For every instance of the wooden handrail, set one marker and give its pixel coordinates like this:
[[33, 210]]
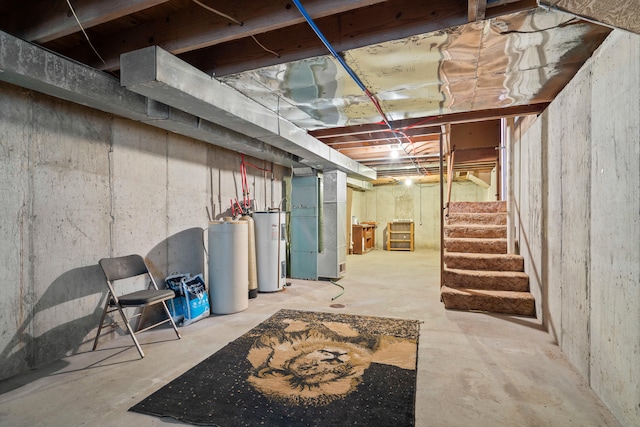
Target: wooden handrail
[[450, 161]]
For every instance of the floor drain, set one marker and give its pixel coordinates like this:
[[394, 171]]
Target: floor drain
[[337, 306]]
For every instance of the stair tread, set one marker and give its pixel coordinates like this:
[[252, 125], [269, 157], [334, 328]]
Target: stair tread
[[477, 218], [479, 231], [488, 292], [496, 245], [482, 255], [476, 225], [505, 302], [464, 207], [486, 279], [475, 239], [478, 214], [493, 273], [478, 274], [484, 261]]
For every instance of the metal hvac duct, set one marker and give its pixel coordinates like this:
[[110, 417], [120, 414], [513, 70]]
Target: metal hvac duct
[[159, 75]]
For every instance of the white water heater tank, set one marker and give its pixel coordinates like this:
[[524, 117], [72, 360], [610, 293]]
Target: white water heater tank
[[228, 266], [271, 250]]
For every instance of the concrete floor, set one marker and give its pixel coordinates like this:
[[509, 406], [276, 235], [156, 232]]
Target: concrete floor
[[473, 368]]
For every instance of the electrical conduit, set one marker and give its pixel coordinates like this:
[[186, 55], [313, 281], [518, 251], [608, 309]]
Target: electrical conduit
[[356, 79]]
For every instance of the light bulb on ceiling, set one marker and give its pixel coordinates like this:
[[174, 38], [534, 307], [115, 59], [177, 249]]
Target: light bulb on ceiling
[[394, 154], [408, 182]]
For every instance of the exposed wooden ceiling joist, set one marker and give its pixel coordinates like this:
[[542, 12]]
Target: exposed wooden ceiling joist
[[382, 143], [432, 124], [348, 24], [623, 14], [503, 7], [390, 20], [477, 9], [41, 23], [219, 45], [381, 138], [371, 144]]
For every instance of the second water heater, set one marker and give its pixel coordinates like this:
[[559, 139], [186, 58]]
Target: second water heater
[[270, 229]]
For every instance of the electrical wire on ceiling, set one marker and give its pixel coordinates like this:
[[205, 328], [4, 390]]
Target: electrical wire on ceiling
[[421, 169], [406, 128], [398, 134], [83, 31], [235, 21]]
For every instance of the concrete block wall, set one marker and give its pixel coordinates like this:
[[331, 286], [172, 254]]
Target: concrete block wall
[[578, 198], [77, 185]]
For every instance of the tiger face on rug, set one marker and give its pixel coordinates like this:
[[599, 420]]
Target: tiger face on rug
[[313, 363]]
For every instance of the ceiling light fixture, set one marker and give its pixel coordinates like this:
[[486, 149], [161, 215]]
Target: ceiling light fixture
[[408, 182], [394, 154]]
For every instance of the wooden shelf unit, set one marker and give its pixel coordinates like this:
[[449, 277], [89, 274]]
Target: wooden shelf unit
[[400, 236], [364, 238]]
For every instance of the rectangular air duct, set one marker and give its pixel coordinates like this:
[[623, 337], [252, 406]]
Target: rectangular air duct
[[29, 66], [333, 256], [159, 75]]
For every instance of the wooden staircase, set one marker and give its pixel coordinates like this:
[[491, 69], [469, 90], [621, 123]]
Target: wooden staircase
[[479, 275]]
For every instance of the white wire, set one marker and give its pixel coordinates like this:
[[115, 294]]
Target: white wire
[[84, 32], [232, 19]]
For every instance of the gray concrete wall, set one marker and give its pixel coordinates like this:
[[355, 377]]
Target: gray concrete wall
[[359, 206], [528, 205], [578, 196], [78, 185]]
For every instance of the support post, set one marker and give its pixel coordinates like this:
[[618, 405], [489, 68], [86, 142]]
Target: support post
[[442, 135], [507, 173]]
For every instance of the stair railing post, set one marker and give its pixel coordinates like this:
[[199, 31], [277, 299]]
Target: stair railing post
[[450, 176], [507, 143], [442, 136]]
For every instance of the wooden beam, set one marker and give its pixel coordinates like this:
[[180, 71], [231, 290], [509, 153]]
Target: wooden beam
[[482, 155], [391, 20], [353, 145], [450, 170], [417, 126], [383, 156], [623, 14], [369, 132], [344, 142], [42, 24], [198, 28], [471, 177], [505, 7], [383, 149], [474, 116], [427, 179], [497, 3], [476, 10], [432, 169], [340, 136]]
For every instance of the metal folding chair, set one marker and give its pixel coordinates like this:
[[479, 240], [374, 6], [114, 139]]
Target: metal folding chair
[[125, 267]]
